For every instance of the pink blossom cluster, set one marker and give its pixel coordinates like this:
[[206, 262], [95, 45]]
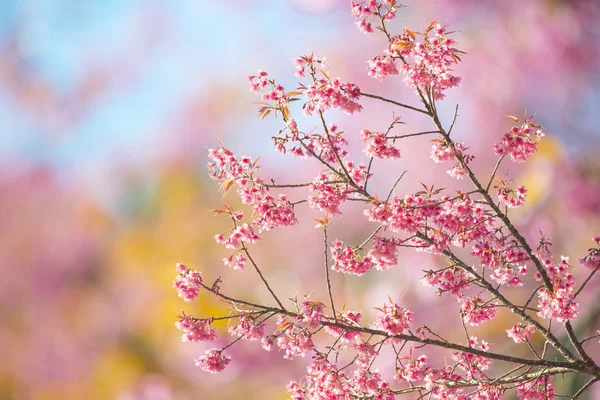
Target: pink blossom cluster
[[382, 66], [277, 93], [475, 310], [270, 212], [187, 283], [520, 332], [223, 165], [248, 328], [442, 151], [558, 303], [395, 319], [311, 63], [243, 233], [267, 342], [325, 382], [370, 384], [413, 370], [538, 389], [452, 280], [383, 253], [322, 382], [521, 142], [509, 276], [294, 340], [351, 318], [381, 256], [332, 190], [364, 11], [436, 243], [331, 93], [463, 219], [473, 364], [329, 197], [459, 221], [213, 361], [427, 63], [379, 146], [348, 260], [402, 214], [326, 92], [311, 313], [330, 146], [365, 352], [358, 173], [258, 82], [458, 171], [488, 392], [238, 265], [196, 330], [436, 381], [511, 197], [592, 259], [494, 252]]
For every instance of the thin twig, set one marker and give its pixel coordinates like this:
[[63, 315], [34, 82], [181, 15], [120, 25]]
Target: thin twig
[[487, 188], [413, 134], [262, 277], [584, 388], [326, 255], [373, 96]]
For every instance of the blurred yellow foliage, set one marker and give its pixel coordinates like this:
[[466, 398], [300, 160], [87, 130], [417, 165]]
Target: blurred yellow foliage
[[537, 176]]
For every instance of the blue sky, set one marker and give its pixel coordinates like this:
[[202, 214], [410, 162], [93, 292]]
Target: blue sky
[[167, 52]]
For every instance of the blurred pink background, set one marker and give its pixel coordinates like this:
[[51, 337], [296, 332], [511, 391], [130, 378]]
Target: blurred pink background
[[108, 108]]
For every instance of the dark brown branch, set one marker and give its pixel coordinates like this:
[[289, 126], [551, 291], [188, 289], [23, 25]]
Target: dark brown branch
[[498, 382], [567, 366]]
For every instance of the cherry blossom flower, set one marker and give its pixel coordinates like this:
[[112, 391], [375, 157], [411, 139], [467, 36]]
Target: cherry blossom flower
[[296, 341], [196, 330], [592, 259], [248, 328], [520, 333], [475, 310], [379, 146], [347, 260], [413, 370], [428, 62], [187, 283], [382, 66], [366, 10], [351, 318], [471, 363], [383, 253], [512, 198], [213, 361], [312, 312], [538, 389], [395, 319], [521, 142], [329, 197]]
